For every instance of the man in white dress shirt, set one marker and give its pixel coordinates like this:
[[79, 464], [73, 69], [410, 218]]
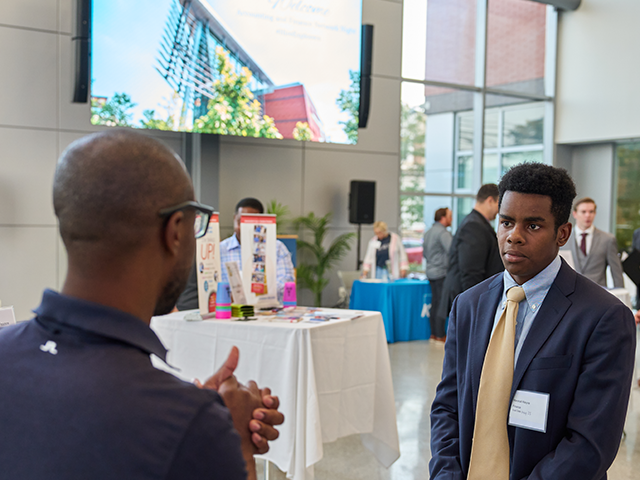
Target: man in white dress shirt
[[593, 249]]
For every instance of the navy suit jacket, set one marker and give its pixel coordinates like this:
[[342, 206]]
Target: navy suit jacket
[[580, 350]]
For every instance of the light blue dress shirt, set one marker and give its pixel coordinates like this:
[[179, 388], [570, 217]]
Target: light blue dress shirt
[[231, 251], [535, 290]]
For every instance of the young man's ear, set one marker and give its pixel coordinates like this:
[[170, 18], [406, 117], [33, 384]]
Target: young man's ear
[[564, 232]]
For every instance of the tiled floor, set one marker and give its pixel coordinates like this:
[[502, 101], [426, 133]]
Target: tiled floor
[[416, 370]]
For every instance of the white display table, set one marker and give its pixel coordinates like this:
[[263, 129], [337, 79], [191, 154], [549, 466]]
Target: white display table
[[333, 378]]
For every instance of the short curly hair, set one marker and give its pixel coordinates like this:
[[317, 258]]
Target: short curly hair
[[541, 179]]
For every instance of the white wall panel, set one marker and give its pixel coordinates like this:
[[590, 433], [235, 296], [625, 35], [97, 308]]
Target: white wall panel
[[265, 173], [67, 138], [28, 78], [597, 94], [30, 13], [35, 86], [382, 134], [28, 260], [327, 181], [386, 18], [26, 176], [65, 15], [592, 171]]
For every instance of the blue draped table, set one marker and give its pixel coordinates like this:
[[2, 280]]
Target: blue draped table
[[404, 305]]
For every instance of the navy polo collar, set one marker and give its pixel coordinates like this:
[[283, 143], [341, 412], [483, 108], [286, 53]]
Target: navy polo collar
[[101, 320]]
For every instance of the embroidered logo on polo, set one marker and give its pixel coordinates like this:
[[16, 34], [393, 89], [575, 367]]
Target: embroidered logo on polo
[[50, 347]]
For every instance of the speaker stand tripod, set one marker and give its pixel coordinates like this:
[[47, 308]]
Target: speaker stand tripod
[[358, 262]]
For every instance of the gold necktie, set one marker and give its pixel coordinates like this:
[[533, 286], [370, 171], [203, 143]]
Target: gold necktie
[[490, 448]]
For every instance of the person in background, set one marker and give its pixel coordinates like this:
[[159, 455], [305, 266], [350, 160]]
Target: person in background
[[80, 396], [385, 247], [591, 248], [231, 251], [474, 254], [435, 250]]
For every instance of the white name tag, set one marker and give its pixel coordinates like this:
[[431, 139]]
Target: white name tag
[[529, 410]]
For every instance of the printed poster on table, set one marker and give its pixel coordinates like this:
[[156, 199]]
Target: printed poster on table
[[208, 266], [258, 239]]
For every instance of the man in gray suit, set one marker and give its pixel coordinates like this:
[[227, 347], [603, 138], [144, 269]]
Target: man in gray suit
[[435, 250], [591, 248]]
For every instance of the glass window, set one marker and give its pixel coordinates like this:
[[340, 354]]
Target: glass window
[[463, 206], [414, 34], [451, 41], [465, 131], [516, 45], [417, 216], [465, 172], [439, 157], [490, 168], [523, 126], [429, 137], [515, 158], [412, 138], [628, 201], [491, 128]]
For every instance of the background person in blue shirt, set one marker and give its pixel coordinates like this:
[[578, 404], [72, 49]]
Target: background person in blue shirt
[[231, 251], [80, 397]]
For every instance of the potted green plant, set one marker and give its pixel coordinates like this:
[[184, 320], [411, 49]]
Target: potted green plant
[[281, 212], [312, 273]]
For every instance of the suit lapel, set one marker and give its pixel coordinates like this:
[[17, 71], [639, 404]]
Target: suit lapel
[[481, 330], [553, 309]]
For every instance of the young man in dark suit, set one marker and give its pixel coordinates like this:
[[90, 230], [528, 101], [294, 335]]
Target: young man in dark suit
[[473, 256], [572, 348]]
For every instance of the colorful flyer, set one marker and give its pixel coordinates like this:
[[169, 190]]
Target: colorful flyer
[[258, 239], [208, 266]]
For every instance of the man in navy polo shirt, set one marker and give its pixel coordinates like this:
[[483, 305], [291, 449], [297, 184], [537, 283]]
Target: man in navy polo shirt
[[79, 397]]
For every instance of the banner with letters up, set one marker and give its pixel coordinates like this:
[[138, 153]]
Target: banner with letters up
[[208, 266]]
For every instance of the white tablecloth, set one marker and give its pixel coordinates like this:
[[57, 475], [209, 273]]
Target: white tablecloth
[[333, 378]]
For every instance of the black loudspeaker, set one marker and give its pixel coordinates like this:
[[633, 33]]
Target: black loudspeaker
[[366, 51], [81, 46], [362, 202]]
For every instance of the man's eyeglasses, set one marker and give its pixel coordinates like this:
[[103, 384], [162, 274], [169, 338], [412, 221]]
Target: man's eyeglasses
[[203, 215]]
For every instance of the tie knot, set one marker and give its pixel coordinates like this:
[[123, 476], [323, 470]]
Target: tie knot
[[584, 234], [516, 294]]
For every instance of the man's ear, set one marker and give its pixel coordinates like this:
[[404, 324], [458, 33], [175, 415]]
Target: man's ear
[[564, 232], [173, 234]]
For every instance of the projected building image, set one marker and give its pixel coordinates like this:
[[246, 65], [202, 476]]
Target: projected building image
[[214, 79]]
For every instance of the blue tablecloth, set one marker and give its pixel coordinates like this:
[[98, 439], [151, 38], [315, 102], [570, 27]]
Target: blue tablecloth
[[404, 305]]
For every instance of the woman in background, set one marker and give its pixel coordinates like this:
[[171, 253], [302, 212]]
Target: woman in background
[[385, 247]]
